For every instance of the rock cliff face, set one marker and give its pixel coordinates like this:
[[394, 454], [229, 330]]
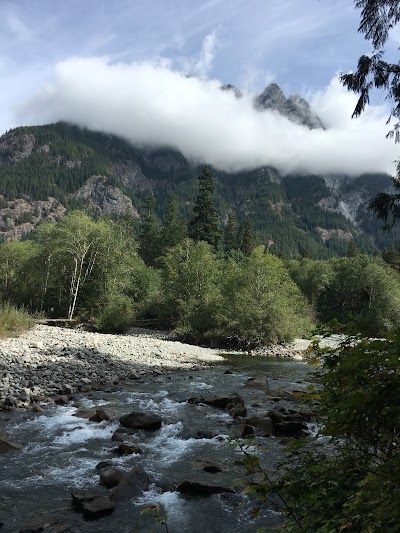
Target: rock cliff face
[[15, 147], [294, 108], [105, 198], [19, 217]]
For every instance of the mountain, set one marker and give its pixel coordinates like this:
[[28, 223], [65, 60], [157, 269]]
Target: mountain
[[46, 170], [295, 108]]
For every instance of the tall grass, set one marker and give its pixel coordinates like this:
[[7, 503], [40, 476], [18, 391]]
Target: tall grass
[[13, 320]]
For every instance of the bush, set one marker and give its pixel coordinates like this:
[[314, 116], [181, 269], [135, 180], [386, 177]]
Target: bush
[[261, 303], [116, 315], [351, 483], [13, 320]]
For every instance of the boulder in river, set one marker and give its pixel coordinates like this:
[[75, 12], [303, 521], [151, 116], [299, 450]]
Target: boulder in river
[[110, 476], [244, 431], [97, 508], [103, 464], [192, 488], [132, 486], [139, 420], [263, 425], [233, 404], [94, 415], [128, 449], [7, 446], [61, 400], [289, 423], [91, 504]]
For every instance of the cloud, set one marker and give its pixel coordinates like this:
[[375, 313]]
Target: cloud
[[207, 54], [151, 104]]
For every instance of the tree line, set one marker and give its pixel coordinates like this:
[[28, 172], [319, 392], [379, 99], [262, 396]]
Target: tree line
[[205, 284]]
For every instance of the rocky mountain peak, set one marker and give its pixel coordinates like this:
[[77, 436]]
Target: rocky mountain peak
[[232, 88], [272, 97], [295, 108]]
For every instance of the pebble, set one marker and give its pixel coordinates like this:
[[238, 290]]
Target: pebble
[[54, 362]]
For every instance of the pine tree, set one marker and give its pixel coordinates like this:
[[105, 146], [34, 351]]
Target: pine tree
[[149, 241], [391, 256], [246, 237], [204, 223], [174, 230], [352, 249]]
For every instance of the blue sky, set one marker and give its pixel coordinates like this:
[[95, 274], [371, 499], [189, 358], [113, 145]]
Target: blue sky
[[300, 44]]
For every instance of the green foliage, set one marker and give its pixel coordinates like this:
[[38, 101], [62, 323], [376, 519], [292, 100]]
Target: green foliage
[[361, 293], [191, 274], [149, 241], [174, 230], [246, 237], [378, 17], [391, 256], [261, 304], [204, 223], [352, 482], [13, 321], [116, 315]]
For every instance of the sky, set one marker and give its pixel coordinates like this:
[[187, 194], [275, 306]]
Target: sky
[[150, 71]]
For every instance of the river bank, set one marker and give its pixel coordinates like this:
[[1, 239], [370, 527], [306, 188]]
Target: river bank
[[54, 362]]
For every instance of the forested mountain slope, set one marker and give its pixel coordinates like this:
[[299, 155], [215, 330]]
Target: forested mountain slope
[[45, 170]]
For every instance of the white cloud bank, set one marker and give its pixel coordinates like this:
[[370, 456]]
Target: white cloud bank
[[152, 104]]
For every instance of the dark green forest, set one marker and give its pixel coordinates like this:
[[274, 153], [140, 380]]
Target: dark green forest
[[284, 211]]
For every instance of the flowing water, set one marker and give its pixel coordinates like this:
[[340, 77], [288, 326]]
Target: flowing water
[[61, 451]]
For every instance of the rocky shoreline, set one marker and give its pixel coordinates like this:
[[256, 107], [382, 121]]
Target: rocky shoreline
[[54, 363]]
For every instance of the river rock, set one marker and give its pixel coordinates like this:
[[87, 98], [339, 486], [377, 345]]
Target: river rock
[[7, 446], [290, 428], [103, 464], [132, 486], [118, 436], [110, 476], [126, 449], [81, 496], [260, 382], [244, 431], [288, 423], [99, 415], [223, 401], [98, 507], [192, 488], [85, 413], [139, 420], [263, 424], [61, 400], [10, 401]]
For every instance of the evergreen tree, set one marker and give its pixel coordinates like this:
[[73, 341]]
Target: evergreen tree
[[378, 18], [352, 249], [174, 230], [149, 241], [246, 237], [391, 256], [204, 223]]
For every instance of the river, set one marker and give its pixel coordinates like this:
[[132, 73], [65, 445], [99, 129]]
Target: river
[[60, 452]]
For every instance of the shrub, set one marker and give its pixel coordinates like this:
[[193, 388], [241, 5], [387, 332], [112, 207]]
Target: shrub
[[13, 320]]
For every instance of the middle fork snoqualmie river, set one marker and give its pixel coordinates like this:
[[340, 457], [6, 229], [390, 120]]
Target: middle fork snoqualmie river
[[60, 451]]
